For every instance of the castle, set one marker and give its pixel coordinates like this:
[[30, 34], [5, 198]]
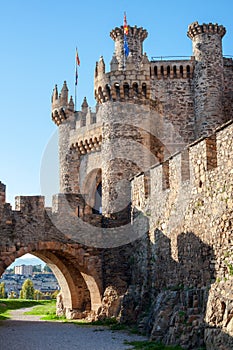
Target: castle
[[143, 220]]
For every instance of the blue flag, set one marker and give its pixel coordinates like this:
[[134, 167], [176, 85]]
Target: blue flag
[[126, 47]]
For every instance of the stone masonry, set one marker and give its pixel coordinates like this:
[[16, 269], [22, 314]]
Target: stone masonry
[[142, 227]]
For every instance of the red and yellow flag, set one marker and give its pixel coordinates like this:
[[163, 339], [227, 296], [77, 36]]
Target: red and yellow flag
[[77, 58], [126, 28]]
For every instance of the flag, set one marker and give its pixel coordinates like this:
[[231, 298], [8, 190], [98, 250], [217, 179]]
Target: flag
[[126, 28], [76, 76], [126, 47], [126, 32], [77, 58]]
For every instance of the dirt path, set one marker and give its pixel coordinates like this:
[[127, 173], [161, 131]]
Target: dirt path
[[27, 332]]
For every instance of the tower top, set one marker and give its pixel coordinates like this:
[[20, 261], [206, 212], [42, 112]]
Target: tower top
[[195, 29], [135, 38], [139, 33]]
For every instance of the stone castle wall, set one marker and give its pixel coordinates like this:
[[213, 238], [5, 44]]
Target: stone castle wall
[[191, 234]]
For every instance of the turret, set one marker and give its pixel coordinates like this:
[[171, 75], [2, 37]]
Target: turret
[[134, 84], [208, 75], [61, 108], [63, 116], [84, 105], [135, 39]]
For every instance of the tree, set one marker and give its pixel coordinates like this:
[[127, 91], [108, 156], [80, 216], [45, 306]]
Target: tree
[[27, 291], [2, 290], [47, 268], [36, 268], [38, 295], [55, 293]]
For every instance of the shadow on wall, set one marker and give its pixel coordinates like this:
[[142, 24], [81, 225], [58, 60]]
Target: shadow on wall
[[184, 294]]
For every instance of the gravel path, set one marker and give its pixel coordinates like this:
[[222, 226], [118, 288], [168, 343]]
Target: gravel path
[[26, 332]]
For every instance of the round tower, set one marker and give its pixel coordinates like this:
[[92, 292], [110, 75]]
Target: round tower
[[124, 105], [135, 39], [63, 117], [208, 76]]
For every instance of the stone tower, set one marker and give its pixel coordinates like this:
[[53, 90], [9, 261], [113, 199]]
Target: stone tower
[[63, 117], [208, 79], [123, 96], [135, 39]]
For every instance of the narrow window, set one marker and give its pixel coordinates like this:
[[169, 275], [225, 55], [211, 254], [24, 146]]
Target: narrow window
[[144, 89], [174, 72], [117, 88], [168, 71], [181, 71], [126, 90], [135, 89]]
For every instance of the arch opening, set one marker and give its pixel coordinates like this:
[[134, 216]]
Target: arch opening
[[80, 290]]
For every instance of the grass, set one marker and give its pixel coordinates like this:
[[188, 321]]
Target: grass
[[47, 311], [150, 345], [6, 305]]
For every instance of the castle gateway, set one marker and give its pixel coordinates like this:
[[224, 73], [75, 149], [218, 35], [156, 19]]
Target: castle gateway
[[142, 227]]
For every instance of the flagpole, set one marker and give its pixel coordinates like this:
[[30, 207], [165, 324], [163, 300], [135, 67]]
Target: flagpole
[[75, 82], [77, 63], [75, 91], [75, 98]]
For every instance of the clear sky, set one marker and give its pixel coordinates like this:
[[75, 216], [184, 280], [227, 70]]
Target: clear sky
[[38, 40]]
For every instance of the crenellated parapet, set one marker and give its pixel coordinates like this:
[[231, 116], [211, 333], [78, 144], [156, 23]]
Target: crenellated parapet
[[131, 85], [88, 145], [195, 29], [62, 108], [195, 170], [30, 205], [176, 69]]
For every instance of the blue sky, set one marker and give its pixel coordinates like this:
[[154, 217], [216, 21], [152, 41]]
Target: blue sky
[[38, 40]]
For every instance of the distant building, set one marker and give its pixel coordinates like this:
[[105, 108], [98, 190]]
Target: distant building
[[25, 270]]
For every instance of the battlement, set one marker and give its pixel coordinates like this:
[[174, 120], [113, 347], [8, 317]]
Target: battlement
[[30, 205], [90, 144], [135, 85], [132, 84], [133, 32], [177, 69], [195, 29], [191, 171], [61, 107]]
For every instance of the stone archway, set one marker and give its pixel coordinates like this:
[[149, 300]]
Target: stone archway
[[76, 270]]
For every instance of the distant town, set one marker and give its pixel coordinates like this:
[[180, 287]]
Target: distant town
[[42, 278]]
